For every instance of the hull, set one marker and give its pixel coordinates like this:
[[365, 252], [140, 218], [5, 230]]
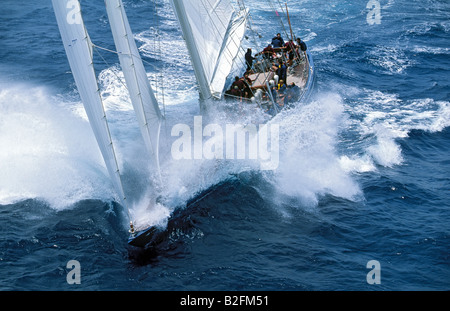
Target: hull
[[265, 88]]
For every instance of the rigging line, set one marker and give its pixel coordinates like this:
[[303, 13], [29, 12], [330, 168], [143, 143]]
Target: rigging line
[[293, 37], [105, 49], [241, 51], [250, 22], [241, 5], [130, 54], [118, 53], [159, 51], [240, 48], [239, 44], [242, 8], [154, 48], [109, 65], [215, 26], [253, 32]]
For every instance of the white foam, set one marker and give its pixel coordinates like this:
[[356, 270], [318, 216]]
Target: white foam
[[46, 152], [387, 118], [310, 166], [357, 164], [391, 60], [441, 118], [330, 48], [148, 213], [386, 151]]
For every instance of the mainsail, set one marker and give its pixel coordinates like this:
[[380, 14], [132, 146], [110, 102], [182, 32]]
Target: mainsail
[[213, 32], [78, 48], [144, 102]]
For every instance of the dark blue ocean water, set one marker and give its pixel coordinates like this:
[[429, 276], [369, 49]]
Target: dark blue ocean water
[[364, 169]]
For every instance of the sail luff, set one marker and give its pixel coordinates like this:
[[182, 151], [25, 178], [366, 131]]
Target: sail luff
[[78, 48], [142, 97]]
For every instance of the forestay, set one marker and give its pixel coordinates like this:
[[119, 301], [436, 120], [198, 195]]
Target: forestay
[[78, 48], [142, 97], [213, 32]]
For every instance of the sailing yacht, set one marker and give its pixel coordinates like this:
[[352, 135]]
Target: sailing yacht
[[213, 31]]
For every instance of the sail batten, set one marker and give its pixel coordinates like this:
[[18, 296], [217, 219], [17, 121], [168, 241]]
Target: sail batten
[[213, 33], [142, 97], [78, 47]]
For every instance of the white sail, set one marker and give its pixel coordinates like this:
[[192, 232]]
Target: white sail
[[213, 33], [79, 53], [142, 97]]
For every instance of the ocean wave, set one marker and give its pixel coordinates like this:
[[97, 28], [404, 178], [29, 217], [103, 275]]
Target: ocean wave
[[310, 164], [383, 118], [392, 60], [46, 152], [431, 50]]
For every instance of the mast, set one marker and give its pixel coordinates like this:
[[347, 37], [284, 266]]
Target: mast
[[142, 97], [78, 48]]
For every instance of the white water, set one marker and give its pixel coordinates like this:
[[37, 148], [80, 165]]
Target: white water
[[310, 163], [48, 152], [385, 118]]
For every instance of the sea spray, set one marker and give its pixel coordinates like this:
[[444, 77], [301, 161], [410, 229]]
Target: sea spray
[[46, 152], [309, 161]]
